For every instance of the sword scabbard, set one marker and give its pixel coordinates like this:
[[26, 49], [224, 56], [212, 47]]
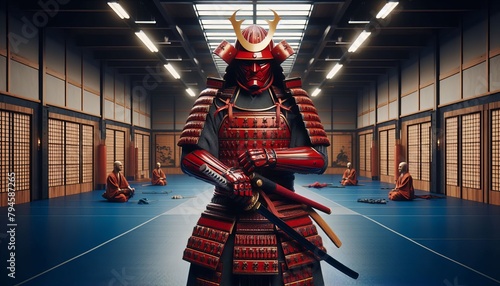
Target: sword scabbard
[[271, 187]]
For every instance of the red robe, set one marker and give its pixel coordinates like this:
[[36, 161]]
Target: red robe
[[404, 189], [159, 178], [114, 182], [349, 178]]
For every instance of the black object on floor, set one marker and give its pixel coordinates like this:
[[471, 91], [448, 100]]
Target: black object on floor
[[372, 201]]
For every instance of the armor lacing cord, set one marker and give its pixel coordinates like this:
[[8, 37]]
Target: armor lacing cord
[[279, 105], [229, 106]]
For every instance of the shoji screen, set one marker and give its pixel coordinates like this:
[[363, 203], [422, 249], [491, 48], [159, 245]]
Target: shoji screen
[[471, 150], [15, 155], [87, 154], [115, 148], [387, 141], [365, 143], [72, 166], [71, 157], [495, 150], [419, 151], [451, 158], [463, 156], [142, 145], [56, 153]]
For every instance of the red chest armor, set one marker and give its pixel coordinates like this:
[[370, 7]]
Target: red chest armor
[[243, 130]]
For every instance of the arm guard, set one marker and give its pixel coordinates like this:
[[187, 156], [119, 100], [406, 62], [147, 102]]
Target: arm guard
[[191, 163], [305, 160]]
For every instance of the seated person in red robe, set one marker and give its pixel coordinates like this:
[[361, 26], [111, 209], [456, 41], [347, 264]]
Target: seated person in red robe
[[117, 187], [404, 185], [159, 177], [349, 176]]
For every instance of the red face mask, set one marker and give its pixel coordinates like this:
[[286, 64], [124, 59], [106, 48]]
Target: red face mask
[[254, 76]]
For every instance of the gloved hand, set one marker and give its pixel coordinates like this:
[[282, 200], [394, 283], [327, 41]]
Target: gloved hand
[[257, 158], [242, 187]]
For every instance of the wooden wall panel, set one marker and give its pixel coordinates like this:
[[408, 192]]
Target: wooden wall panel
[[427, 98], [3, 70], [449, 90], [495, 73], [474, 37], [449, 54], [340, 152], [165, 149], [55, 91], [55, 53], [24, 80], [474, 83], [3, 31]]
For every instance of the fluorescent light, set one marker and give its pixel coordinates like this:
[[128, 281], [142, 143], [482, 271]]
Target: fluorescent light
[[358, 22], [316, 92], [359, 40], [334, 70], [190, 92], [172, 71], [145, 22], [388, 7], [144, 38], [119, 10], [216, 27]]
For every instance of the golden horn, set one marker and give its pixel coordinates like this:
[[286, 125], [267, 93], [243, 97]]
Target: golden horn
[[259, 46]]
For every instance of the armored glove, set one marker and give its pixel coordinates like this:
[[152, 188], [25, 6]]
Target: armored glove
[[257, 158]]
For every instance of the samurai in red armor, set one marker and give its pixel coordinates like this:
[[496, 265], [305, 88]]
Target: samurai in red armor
[[252, 121]]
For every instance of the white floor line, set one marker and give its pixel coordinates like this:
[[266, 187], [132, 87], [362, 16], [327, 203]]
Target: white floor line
[[431, 250], [353, 212], [419, 244], [90, 250]]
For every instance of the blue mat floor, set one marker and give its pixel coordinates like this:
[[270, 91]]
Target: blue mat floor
[[83, 240]]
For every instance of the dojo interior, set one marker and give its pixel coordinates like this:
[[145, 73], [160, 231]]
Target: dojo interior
[[79, 90]]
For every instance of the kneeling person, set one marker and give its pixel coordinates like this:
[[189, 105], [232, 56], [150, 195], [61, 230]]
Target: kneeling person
[[404, 185], [159, 177], [349, 177], [117, 187]]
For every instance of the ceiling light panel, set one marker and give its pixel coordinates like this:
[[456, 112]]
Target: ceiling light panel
[[216, 26]]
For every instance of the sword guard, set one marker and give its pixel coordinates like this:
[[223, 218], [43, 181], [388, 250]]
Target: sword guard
[[254, 203]]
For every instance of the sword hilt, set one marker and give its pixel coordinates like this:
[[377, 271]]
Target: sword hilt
[[223, 183]]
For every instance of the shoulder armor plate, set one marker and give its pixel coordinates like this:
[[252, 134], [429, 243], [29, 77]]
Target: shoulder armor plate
[[310, 116], [196, 119]]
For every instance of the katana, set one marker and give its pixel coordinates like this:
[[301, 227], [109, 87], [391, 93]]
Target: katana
[[258, 207]]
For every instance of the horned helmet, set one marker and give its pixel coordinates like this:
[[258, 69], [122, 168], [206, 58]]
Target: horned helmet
[[253, 54]]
